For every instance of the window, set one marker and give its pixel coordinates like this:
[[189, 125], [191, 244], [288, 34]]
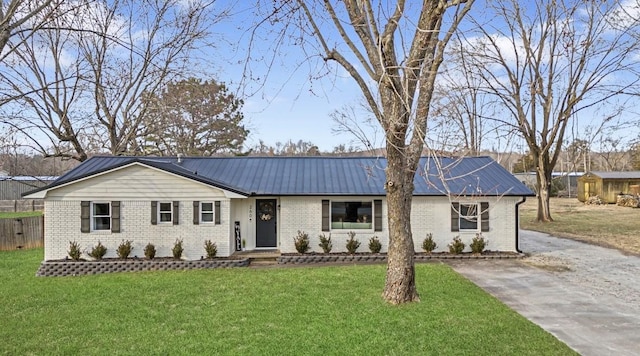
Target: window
[[100, 216], [165, 212], [206, 212], [351, 215], [468, 217]]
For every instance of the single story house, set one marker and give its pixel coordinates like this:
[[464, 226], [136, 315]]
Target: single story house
[[607, 185], [265, 201]]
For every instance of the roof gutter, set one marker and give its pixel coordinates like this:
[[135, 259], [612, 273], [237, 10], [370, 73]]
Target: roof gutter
[[524, 199]]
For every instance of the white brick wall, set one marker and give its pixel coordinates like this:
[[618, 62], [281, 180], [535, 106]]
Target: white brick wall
[[429, 214], [62, 224], [433, 215], [305, 214]]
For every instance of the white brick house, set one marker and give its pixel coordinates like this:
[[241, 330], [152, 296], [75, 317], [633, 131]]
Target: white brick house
[[265, 201]]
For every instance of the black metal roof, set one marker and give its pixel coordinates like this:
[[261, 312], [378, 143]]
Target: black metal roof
[[436, 176]]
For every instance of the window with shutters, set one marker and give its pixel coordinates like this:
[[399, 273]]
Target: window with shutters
[[468, 216], [165, 212], [207, 213], [100, 216], [351, 215]]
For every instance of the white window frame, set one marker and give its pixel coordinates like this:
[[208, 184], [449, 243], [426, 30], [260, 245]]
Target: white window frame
[[468, 219], [212, 212], [349, 226], [94, 216], [170, 212]]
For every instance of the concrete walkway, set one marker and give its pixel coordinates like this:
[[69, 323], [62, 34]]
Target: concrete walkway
[[585, 295]]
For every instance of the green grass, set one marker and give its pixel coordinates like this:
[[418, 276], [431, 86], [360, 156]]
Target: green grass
[[19, 214], [278, 311]]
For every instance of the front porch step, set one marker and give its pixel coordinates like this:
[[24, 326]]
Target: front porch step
[[263, 261]]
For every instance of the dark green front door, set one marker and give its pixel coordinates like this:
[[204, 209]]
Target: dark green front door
[[266, 223]]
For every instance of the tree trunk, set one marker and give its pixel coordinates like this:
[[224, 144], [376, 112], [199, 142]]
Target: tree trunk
[[400, 285], [543, 175]]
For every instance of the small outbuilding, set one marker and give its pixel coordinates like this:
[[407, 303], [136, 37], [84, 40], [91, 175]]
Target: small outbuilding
[[607, 185]]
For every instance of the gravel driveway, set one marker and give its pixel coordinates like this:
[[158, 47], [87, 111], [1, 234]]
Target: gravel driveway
[[587, 296]]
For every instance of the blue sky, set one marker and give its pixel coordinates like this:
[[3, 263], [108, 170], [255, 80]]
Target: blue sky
[[290, 106]]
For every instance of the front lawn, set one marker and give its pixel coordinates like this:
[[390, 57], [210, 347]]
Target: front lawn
[[605, 225], [273, 311]]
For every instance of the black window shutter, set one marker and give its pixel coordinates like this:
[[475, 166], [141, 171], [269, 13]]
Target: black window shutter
[[377, 215], [154, 213], [85, 216], [176, 212], [196, 212], [455, 216], [115, 216], [217, 212], [325, 215], [484, 208]]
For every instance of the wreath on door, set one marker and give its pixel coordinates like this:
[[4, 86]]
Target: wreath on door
[[266, 211]]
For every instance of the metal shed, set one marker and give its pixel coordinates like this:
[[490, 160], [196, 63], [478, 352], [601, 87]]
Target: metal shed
[[607, 185]]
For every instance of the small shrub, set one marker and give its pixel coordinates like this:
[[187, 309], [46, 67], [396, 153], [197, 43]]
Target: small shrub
[[457, 246], [210, 248], [150, 251], [374, 245], [124, 249], [302, 242], [177, 249], [478, 244], [74, 250], [352, 243], [98, 251], [325, 243], [428, 245]]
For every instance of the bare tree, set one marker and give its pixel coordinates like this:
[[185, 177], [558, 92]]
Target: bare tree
[[360, 124], [22, 16], [463, 112], [393, 51], [80, 81], [551, 62]]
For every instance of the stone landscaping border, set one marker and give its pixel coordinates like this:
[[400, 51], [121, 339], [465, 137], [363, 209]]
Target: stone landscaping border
[[77, 268], [308, 259]]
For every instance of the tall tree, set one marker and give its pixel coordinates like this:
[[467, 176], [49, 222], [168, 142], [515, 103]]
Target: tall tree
[[79, 82], [393, 51], [194, 118], [549, 62]]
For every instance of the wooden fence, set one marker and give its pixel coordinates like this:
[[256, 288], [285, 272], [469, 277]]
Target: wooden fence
[[18, 233], [21, 205]]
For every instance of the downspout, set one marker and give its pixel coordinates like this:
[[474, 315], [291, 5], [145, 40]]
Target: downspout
[[524, 199]]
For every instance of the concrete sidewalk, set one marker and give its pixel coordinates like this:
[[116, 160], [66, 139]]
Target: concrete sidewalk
[[587, 296]]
